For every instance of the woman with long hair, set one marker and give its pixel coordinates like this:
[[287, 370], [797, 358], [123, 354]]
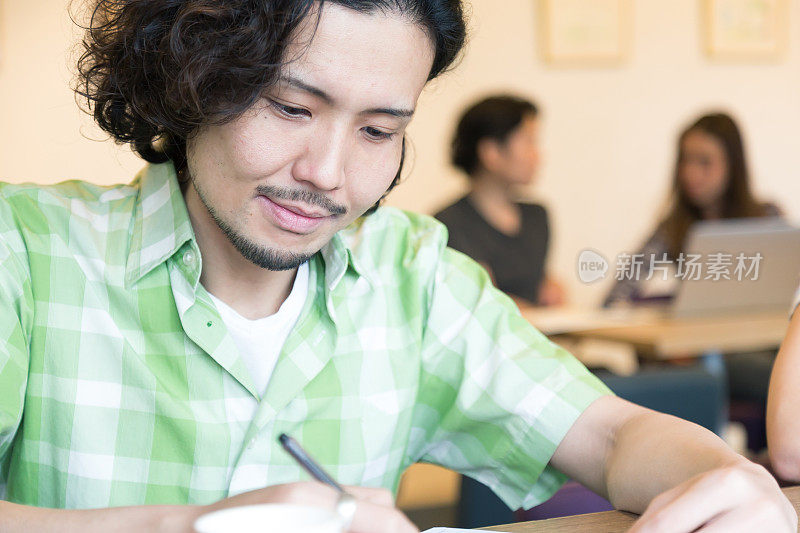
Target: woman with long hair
[[711, 182]]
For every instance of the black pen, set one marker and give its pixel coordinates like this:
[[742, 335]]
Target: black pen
[[295, 450]]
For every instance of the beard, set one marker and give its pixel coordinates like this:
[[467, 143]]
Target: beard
[[263, 256]]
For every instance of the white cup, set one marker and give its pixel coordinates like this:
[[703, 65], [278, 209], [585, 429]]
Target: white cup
[[270, 518]]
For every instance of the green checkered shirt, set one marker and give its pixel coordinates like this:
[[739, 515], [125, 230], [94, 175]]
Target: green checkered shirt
[[120, 385]]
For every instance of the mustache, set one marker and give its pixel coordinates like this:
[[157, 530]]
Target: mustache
[[299, 195]]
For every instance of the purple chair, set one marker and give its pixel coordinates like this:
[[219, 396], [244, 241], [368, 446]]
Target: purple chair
[[571, 499]]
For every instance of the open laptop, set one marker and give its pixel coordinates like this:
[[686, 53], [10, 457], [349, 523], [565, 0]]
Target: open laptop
[[759, 257]]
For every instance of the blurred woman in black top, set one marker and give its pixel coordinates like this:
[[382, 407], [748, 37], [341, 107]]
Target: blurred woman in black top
[[496, 146]]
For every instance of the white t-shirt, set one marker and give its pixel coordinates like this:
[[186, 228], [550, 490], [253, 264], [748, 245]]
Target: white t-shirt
[[260, 341]]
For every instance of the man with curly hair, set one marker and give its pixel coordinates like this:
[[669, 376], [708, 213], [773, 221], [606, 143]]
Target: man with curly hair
[[158, 336]]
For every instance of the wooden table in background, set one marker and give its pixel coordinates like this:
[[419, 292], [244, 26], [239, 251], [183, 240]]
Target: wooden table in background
[[656, 335], [668, 338], [608, 522]]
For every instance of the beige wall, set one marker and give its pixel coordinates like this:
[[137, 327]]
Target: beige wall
[[43, 135], [608, 133]]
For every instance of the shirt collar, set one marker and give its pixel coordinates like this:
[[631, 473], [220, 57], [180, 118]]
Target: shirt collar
[[161, 227], [339, 256], [161, 223]]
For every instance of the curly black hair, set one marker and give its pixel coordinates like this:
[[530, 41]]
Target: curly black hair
[[154, 71]]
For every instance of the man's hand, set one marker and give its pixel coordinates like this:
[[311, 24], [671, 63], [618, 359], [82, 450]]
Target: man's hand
[[743, 497], [679, 476], [375, 511]]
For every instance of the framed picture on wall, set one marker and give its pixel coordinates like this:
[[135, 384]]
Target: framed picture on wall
[[585, 32], [746, 29]]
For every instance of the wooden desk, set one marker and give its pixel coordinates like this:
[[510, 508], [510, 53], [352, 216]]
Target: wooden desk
[[608, 522], [667, 338], [567, 320], [658, 336]]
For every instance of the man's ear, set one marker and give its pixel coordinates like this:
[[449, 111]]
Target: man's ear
[[489, 154]]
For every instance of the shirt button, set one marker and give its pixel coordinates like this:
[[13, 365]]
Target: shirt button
[[251, 444], [188, 258]]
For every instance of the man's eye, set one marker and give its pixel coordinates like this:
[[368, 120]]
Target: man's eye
[[289, 111], [377, 135]]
